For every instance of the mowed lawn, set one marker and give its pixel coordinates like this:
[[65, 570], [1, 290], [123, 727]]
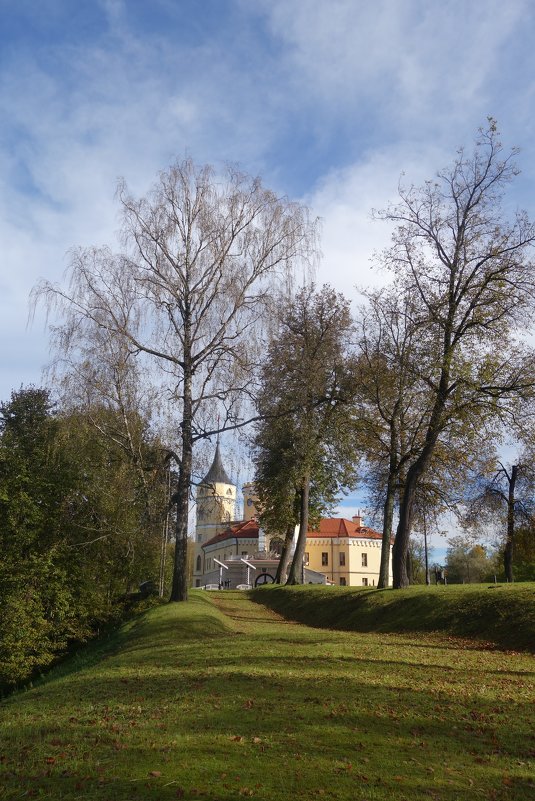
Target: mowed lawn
[[220, 698]]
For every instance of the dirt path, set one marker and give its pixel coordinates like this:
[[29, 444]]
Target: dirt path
[[246, 614]]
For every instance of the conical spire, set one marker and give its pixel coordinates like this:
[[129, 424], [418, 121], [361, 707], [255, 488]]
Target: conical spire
[[217, 473]]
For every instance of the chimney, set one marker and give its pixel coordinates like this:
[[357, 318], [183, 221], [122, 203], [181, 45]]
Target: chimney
[[357, 519]]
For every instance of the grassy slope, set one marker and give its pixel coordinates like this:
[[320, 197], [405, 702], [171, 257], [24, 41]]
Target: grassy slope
[[504, 614], [221, 699]]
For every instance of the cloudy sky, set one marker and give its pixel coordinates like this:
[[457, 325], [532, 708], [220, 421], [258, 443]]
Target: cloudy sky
[[328, 100]]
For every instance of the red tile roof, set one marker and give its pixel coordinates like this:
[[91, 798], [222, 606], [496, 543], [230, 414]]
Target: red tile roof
[[341, 527], [328, 527], [242, 530]]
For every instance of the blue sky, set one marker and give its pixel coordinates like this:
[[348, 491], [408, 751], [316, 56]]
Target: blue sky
[[329, 100]]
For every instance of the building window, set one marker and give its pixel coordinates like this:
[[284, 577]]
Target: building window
[[324, 558], [197, 582], [342, 559], [199, 564], [342, 581], [307, 558], [364, 582], [244, 553], [364, 560]]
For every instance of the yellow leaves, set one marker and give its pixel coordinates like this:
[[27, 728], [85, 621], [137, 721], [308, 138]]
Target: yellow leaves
[[343, 767]]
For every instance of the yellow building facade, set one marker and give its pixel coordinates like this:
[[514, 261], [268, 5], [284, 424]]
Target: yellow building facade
[[345, 551]]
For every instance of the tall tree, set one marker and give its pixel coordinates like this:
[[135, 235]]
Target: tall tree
[[200, 251], [469, 270], [307, 384], [392, 398], [502, 501], [73, 528]]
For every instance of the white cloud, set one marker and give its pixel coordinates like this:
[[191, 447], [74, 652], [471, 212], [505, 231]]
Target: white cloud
[[395, 76], [403, 59], [344, 200]]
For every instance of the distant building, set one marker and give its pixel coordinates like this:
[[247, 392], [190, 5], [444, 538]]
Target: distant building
[[238, 552], [346, 551]]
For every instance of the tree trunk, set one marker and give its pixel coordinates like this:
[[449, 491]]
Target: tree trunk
[[388, 515], [408, 566], [416, 470], [509, 542], [297, 569], [285, 554], [426, 558], [179, 590]]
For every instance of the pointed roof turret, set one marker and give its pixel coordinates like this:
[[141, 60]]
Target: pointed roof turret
[[217, 473]]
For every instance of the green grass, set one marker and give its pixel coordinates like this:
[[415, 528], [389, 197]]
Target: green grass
[[501, 614], [221, 699]]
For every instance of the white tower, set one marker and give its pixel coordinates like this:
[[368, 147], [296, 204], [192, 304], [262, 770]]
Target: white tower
[[216, 505]]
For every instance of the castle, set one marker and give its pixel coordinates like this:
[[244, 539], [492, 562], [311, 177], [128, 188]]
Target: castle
[[238, 553]]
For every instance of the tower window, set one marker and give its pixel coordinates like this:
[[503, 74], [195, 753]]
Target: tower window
[[324, 558], [364, 560], [342, 559]]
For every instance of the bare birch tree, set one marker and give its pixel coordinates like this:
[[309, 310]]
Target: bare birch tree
[[185, 296]]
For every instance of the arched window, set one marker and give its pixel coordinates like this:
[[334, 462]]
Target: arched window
[[199, 563]]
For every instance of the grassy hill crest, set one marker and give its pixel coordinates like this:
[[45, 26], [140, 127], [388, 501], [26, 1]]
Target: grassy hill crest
[[222, 699]]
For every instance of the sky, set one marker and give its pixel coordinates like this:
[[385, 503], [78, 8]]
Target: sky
[[330, 101]]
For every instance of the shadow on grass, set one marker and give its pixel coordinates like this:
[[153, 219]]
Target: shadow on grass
[[316, 728], [183, 707], [506, 618]]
